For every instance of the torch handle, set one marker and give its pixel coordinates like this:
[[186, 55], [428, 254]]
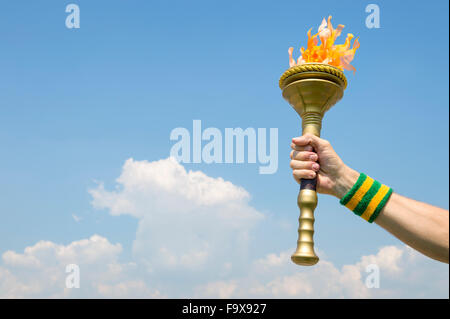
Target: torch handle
[[307, 202], [308, 184]]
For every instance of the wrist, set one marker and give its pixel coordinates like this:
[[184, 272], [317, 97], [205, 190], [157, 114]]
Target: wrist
[[345, 181]]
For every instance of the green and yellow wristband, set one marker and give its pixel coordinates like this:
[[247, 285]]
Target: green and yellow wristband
[[367, 197]]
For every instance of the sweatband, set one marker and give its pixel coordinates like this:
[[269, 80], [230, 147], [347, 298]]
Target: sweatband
[[367, 197]]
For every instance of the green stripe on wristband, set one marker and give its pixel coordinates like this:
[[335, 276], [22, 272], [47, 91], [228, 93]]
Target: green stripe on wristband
[[362, 205], [344, 200], [380, 206]]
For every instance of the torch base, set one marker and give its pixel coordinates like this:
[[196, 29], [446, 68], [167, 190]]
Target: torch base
[[305, 260]]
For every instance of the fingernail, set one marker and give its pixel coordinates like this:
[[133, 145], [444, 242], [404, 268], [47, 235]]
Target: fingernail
[[313, 157], [315, 167]]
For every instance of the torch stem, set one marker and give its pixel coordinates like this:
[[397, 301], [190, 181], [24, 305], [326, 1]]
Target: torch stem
[[307, 202]]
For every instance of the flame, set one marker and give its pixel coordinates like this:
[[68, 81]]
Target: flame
[[327, 52]]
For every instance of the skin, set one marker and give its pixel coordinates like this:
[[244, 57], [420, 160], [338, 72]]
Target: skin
[[419, 225]]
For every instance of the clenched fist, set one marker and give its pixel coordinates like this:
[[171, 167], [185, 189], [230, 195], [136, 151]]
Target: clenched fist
[[312, 156]]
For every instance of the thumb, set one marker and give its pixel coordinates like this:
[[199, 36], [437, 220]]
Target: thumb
[[301, 140]]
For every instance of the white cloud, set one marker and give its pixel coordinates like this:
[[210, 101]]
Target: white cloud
[[275, 276], [40, 270], [198, 226], [192, 241], [10, 287], [217, 289], [127, 289], [156, 182], [186, 218], [76, 218], [388, 259]]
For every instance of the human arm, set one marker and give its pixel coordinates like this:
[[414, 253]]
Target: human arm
[[419, 225]]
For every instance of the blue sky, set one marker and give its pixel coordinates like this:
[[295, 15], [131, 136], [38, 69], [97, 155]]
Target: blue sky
[[76, 104]]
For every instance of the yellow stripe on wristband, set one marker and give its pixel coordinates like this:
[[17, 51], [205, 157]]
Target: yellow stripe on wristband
[[376, 200], [360, 194]]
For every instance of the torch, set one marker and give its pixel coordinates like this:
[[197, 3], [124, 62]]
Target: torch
[[312, 86]]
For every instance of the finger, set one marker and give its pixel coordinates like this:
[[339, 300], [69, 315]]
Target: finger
[[303, 174], [305, 165], [310, 139], [304, 156], [307, 148]]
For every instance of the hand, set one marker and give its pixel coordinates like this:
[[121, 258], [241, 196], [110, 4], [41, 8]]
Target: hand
[[312, 156]]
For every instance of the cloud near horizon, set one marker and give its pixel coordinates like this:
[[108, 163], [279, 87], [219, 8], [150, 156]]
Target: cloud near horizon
[[40, 271], [192, 241]]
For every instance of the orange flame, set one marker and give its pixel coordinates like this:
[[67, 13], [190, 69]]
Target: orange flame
[[327, 52]]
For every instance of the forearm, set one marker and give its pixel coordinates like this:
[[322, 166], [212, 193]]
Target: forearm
[[421, 226]]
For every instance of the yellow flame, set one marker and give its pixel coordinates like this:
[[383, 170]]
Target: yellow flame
[[327, 52]]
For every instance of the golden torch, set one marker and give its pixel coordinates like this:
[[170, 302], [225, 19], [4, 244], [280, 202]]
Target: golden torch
[[312, 85]]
